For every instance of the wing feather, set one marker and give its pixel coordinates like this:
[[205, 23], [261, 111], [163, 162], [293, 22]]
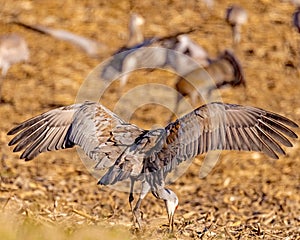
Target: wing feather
[[218, 126], [24, 140], [277, 125], [275, 132], [244, 138], [88, 125], [229, 138], [33, 150], [255, 142], [52, 138]]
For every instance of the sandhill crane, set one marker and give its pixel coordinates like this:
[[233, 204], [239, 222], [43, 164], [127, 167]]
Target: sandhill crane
[[192, 49], [185, 45], [126, 58], [13, 49], [137, 54], [296, 19], [156, 52], [235, 17], [92, 47], [129, 59], [225, 70], [296, 24], [129, 152], [136, 35]]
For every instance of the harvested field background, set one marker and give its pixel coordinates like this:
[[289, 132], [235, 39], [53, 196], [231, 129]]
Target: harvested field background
[[246, 196]]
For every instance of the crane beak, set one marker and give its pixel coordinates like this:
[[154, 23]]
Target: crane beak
[[171, 208], [171, 223]]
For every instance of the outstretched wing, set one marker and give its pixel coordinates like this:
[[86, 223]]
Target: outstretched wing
[[100, 133], [129, 150], [218, 126], [215, 126]]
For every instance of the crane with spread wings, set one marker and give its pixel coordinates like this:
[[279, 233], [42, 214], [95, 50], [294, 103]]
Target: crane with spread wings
[[129, 152]]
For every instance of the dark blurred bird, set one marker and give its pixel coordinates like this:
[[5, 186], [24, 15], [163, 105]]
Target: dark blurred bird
[[13, 49], [236, 16], [296, 24], [296, 19], [150, 53], [226, 70], [126, 58], [166, 52], [129, 152]]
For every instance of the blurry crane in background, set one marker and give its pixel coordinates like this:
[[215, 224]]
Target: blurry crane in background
[[129, 152], [13, 49], [161, 52], [92, 47], [296, 19], [296, 24], [135, 26], [236, 16], [188, 48], [123, 62], [226, 70]]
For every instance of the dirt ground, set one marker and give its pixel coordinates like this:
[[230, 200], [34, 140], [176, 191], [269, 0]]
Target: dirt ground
[[246, 196]]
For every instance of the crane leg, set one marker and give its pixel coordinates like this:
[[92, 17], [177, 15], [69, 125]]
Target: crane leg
[[137, 214], [131, 198]]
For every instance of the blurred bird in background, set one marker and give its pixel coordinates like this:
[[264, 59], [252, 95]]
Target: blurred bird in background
[[13, 49]]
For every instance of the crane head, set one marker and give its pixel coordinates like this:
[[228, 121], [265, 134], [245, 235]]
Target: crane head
[[171, 202]]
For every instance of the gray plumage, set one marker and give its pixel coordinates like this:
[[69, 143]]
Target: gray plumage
[[131, 152]]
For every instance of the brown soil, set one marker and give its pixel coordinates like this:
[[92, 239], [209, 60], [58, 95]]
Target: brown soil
[[246, 195]]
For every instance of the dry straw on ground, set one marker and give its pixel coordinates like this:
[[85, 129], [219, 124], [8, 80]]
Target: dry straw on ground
[[247, 196]]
